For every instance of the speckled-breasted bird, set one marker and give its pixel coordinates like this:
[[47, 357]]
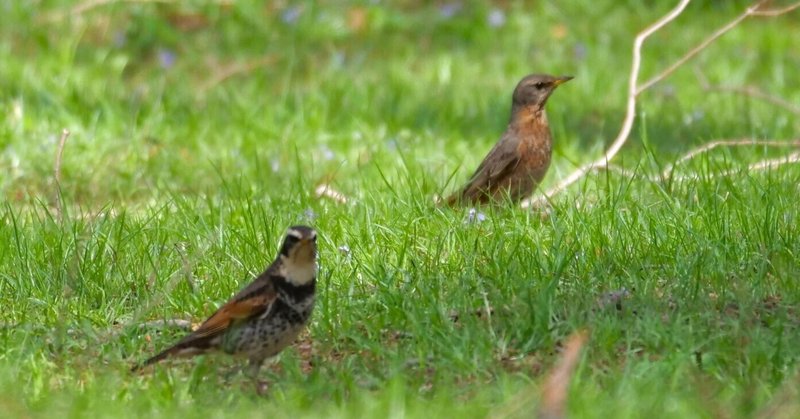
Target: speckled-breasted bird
[[267, 315], [518, 162]]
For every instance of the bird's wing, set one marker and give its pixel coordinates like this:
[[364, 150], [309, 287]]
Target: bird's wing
[[502, 158], [251, 301]]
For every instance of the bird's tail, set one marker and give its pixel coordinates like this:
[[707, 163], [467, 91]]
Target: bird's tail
[[179, 350], [452, 201]]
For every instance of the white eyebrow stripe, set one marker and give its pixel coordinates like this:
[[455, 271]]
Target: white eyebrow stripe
[[294, 233]]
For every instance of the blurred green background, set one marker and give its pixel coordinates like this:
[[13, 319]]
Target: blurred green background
[[238, 85], [199, 131]]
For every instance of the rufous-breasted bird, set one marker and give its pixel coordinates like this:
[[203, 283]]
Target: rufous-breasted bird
[[266, 316], [518, 162]]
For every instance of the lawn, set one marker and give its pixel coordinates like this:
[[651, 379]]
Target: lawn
[[199, 132]]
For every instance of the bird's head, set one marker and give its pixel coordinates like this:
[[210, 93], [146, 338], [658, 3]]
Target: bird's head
[[299, 255], [533, 90]]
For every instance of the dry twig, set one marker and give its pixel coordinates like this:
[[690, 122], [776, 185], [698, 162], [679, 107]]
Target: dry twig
[[57, 171], [727, 143], [776, 12], [668, 172], [554, 393], [699, 47], [767, 164], [235, 70], [89, 5], [326, 191], [166, 323], [634, 90], [554, 390], [750, 91]]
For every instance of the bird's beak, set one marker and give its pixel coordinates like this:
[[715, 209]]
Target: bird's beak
[[561, 80], [305, 248]]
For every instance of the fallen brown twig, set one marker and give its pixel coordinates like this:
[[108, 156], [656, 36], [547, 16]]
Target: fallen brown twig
[[234, 70], [57, 172], [326, 191], [669, 170], [750, 91], [89, 5], [553, 394], [727, 143], [166, 323]]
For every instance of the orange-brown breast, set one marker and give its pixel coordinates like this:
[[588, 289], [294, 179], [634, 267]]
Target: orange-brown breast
[[534, 148]]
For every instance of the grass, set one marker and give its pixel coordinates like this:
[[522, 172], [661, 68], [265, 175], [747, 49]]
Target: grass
[[177, 190]]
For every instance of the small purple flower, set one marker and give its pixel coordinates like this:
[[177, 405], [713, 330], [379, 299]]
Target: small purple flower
[[474, 216], [291, 14], [327, 153], [309, 215], [668, 89], [120, 39], [448, 10], [579, 51], [166, 58], [693, 117], [613, 298], [496, 18], [338, 58]]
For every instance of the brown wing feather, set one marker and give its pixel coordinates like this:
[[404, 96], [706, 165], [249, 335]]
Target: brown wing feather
[[230, 312], [251, 301], [501, 158]]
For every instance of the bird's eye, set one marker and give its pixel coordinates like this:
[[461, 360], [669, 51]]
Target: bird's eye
[[539, 85], [291, 240]]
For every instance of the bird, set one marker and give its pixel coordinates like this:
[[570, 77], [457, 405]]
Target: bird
[[264, 317], [518, 162]]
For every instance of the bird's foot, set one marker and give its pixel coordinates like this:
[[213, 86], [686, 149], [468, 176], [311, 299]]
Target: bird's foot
[[262, 387]]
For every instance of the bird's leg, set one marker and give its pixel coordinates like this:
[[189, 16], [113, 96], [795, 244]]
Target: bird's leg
[[232, 373], [253, 367], [252, 371]]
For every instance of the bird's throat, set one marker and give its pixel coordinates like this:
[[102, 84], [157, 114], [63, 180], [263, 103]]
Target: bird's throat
[[298, 274], [528, 117]]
